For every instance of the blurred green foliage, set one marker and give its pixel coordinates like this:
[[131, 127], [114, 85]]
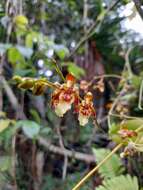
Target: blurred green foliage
[[32, 35]]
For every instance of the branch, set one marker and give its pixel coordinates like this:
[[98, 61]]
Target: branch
[[127, 62], [13, 100], [14, 162], [97, 22], [89, 158], [65, 156], [1, 77], [138, 5], [140, 96]]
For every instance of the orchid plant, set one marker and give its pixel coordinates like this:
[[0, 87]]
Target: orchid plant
[[66, 96]]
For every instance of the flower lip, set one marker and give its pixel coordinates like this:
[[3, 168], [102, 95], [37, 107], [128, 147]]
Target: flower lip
[[85, 110], [66, 95]]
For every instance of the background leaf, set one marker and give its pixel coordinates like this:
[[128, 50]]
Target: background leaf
[[112, 167], [120, 183], [5, 163], [30, 128]]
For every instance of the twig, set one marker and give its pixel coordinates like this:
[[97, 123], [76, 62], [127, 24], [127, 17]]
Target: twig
[[138, 5], [1, 77], [10, 94], [89, 158], [65, 156], [58, 69], [99, 20], [140, 96], [20, 7], [36, 184], [8, 7], [85, 28], [14, 163], [117, 115], [12, 98], [113, 106], [128, 67], [105, 76], [127, 62], [125, 116]]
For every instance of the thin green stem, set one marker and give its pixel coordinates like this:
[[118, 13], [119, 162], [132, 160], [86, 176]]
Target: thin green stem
[[50, 84], [127, 62], [139, 129], [140, 96], [125, 116], [113, 106], [58, 69], [97, 167]]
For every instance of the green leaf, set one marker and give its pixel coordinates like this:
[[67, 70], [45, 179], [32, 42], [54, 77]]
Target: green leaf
[[136, 81], [24, 72], [30, 38], [61, 51], [35, 115], [75, 70], [30, 128], [15, 57], [112, 167], [133, 124], [120, 183], [45, 131], [4, 123], [5, 163], [113, 133]]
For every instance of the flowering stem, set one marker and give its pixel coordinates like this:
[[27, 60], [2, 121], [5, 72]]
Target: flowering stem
[[83, 180], [139, 129], [58, 70], [50, 84]]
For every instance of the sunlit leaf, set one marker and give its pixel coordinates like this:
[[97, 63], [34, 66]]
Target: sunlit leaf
[[30, 37], [4, 123], [15, 57], [75, 70], [61, 51], [5, 163], [21, 22]]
